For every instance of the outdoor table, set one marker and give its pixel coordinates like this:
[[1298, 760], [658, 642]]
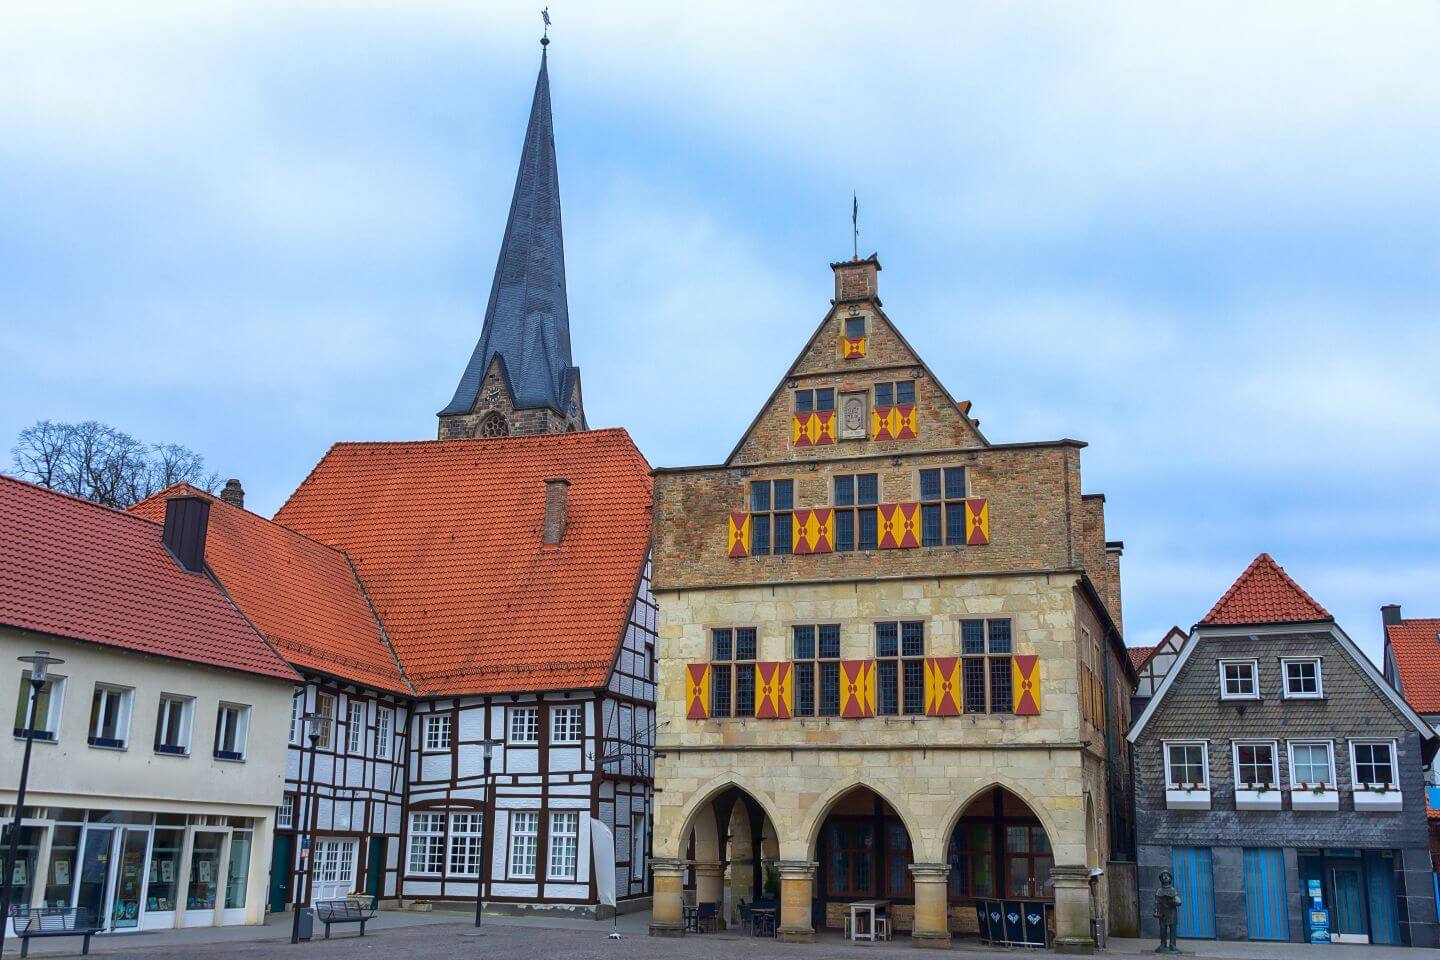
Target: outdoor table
[[870, 906], [756, 925]]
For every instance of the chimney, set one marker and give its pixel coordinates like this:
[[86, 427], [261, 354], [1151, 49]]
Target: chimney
[[1390, 614], [856, 280], [557, 495], [186, 519], [233, 494]]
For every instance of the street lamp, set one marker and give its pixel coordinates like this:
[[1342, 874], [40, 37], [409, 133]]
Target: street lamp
[[40, 663], [316, 724], [487, 815]]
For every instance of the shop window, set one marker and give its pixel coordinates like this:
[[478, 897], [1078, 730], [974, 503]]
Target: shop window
[[986, 679], [204, 870], [237, 874], [942, 506], [164, 869], [856, 519], [900, 668], [772, 505], [64, 857], [816, 661], [732, 672], [110, 716], [22, 875], [49, 700], [172, 725]]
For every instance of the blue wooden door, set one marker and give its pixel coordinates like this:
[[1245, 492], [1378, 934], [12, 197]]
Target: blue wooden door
[[1267, 910], [1380, 884], [1349, 899], [1195, 883]]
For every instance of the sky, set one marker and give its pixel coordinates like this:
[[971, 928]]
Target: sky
[[1203, 237]]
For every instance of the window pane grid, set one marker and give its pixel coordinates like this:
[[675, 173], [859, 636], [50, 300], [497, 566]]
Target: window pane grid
[[814, 650]]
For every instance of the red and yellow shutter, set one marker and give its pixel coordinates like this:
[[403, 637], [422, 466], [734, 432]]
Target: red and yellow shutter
[[813, 531], [774, 691], [813, 429], [1026, 676], [852, 348], [942, 686], [738, 541], [900, 422], [697, 691], [899, 525], [857, 688], [977, 522]]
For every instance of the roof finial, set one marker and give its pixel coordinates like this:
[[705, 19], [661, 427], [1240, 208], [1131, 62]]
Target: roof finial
[[545, 36], [855, 225]]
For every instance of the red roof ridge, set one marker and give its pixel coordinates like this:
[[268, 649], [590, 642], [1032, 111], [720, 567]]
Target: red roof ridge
[[1265, 593], [76, 498], [186, 489]]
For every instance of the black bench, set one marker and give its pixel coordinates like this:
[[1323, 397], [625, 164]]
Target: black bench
[[344, 911], [54, 922]]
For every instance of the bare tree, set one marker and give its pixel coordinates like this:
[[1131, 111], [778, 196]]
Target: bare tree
[[96, 461]]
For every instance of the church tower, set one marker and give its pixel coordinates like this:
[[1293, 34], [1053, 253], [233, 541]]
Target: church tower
[[520, 379]]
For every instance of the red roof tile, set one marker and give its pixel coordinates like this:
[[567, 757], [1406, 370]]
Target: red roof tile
[[1264, 593], [75, 569], [446, 537], [1416, 647], [1139, 656], [301, 594]]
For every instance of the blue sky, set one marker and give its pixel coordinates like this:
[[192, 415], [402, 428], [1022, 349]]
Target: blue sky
[[1203, 237]]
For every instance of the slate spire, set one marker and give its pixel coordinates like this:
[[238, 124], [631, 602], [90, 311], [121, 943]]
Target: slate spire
[[527, 321]]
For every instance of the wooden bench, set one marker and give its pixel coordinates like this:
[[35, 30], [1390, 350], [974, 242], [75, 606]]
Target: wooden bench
[[54, 922], [344, 911]]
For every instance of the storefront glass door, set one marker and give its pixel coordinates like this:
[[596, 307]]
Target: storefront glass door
[[130, 879], [92, 892]]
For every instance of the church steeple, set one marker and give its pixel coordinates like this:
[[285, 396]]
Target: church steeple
[[521, 379]]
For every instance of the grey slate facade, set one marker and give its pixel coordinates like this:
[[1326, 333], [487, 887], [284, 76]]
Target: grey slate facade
[[1355, 704]]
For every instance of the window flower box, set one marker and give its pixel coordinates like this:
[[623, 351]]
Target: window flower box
[[1314, 797], [1257, 796], [1377, 797], [1189, 796]]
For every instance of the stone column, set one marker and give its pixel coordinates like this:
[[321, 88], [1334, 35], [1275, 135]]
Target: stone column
[[1072, 909], [710, 887], [797, 893], [667, 917], [932, 905]]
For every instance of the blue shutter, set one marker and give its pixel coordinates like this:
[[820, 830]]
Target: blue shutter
[[1267, 912], [1380, 884], [1195, 883]]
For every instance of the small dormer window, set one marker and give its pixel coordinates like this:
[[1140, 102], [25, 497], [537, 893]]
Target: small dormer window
[[1302, 679], [1239, 680]]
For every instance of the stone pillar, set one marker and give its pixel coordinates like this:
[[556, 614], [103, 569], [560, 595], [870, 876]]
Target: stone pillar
[[710, 887], [1072, 909], [932, 905], [797, 893], [667, 917]]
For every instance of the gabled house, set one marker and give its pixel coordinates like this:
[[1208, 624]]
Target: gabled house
[[1152, 663], [1275, 766]]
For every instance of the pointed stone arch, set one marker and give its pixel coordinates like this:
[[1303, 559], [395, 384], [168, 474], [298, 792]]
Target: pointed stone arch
[[1037, 807], [819, 810]]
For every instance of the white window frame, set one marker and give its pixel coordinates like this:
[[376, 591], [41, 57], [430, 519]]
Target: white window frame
[[126, 697], [572, 731], [242, 730], [187, 724], [1295, 781], [524, 844], [429, 826], [49, 731], [285, 813], [1186, 795], [325, 707], [331, 866], [1285, 691], [297, 714], [384, 731], [562, 858], [1379, 797], [1254, 665], [355, 731], [437, 731], [1308, 794], [528, 725], [1235, 746], [466, 848]]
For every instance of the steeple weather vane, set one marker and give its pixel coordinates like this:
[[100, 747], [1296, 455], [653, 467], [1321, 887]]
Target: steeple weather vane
[[545, 37], [855, 225]]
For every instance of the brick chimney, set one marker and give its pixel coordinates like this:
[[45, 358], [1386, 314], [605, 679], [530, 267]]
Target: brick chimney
[[1390, 614], [557, 496], [233, 494], [186, 520], [856, 280]]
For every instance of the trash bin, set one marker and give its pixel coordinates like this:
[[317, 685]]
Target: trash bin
[[307, 922]]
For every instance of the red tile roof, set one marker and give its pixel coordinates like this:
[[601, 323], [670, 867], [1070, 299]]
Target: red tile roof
[[446, 537], [1139, 656], [1264, 593], [301, 594], [1416, 647], [75, 569]]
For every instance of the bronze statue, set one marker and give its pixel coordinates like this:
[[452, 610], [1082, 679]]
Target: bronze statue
[[1167, 906]]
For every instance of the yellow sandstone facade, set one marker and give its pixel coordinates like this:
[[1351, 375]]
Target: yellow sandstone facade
[[889, 657]]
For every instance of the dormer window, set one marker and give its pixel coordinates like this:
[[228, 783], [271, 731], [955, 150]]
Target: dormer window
[[1302, 679], [1239, 680]]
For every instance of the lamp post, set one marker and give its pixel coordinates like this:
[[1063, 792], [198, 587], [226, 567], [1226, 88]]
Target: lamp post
[[40, 663], [487, 815], [315, 725]]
